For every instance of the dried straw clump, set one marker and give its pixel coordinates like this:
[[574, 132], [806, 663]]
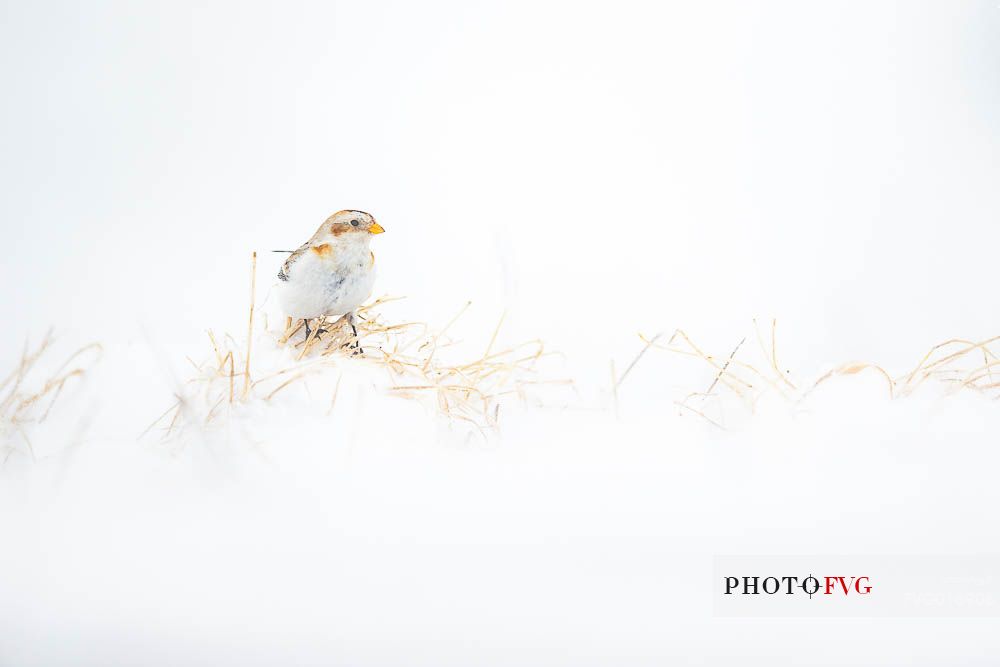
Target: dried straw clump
[[424, 365], [27, 400], [960, 364], [417, 364]]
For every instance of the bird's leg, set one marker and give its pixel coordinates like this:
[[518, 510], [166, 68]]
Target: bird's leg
[[319, 330], [354, 330]]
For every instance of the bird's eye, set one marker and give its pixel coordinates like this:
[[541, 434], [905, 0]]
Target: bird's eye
[[354, 223]]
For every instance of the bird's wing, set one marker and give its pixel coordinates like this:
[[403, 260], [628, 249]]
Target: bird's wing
[[294, 257]]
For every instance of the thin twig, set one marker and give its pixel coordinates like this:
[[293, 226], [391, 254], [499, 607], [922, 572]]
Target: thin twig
[[636, 360], [725, 366], [253, 297]]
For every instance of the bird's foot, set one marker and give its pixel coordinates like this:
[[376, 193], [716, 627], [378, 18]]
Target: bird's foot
[[357, 343], [355, 346], [319, 332]]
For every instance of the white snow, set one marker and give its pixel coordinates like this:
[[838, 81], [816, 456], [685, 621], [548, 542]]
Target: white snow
[[595, 172]]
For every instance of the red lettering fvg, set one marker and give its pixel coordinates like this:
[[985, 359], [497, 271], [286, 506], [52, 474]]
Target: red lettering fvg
[[842, 584]]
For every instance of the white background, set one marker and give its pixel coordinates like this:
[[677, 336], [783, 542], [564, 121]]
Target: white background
[[594, 169]]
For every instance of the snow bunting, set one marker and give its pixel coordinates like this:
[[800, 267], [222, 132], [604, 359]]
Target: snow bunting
[[332, 273]]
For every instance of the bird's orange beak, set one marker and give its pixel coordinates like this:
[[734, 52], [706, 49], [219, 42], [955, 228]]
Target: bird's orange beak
[[376, 228]]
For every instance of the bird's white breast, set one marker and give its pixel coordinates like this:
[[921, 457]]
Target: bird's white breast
[[328, 284]]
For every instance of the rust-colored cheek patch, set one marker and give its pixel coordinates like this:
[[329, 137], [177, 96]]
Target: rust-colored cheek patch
[[323, 250]]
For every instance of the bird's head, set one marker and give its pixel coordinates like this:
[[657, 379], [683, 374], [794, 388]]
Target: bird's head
[[349, 225]]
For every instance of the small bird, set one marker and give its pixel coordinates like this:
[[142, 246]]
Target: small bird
[[332, 273]]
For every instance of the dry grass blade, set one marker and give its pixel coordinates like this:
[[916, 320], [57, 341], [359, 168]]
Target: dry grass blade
[[437, 337], [629, 368], [253, 298], [701, 414], [25, 393], [725, 367], [853, 368], [927, 368], [972, 366]]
